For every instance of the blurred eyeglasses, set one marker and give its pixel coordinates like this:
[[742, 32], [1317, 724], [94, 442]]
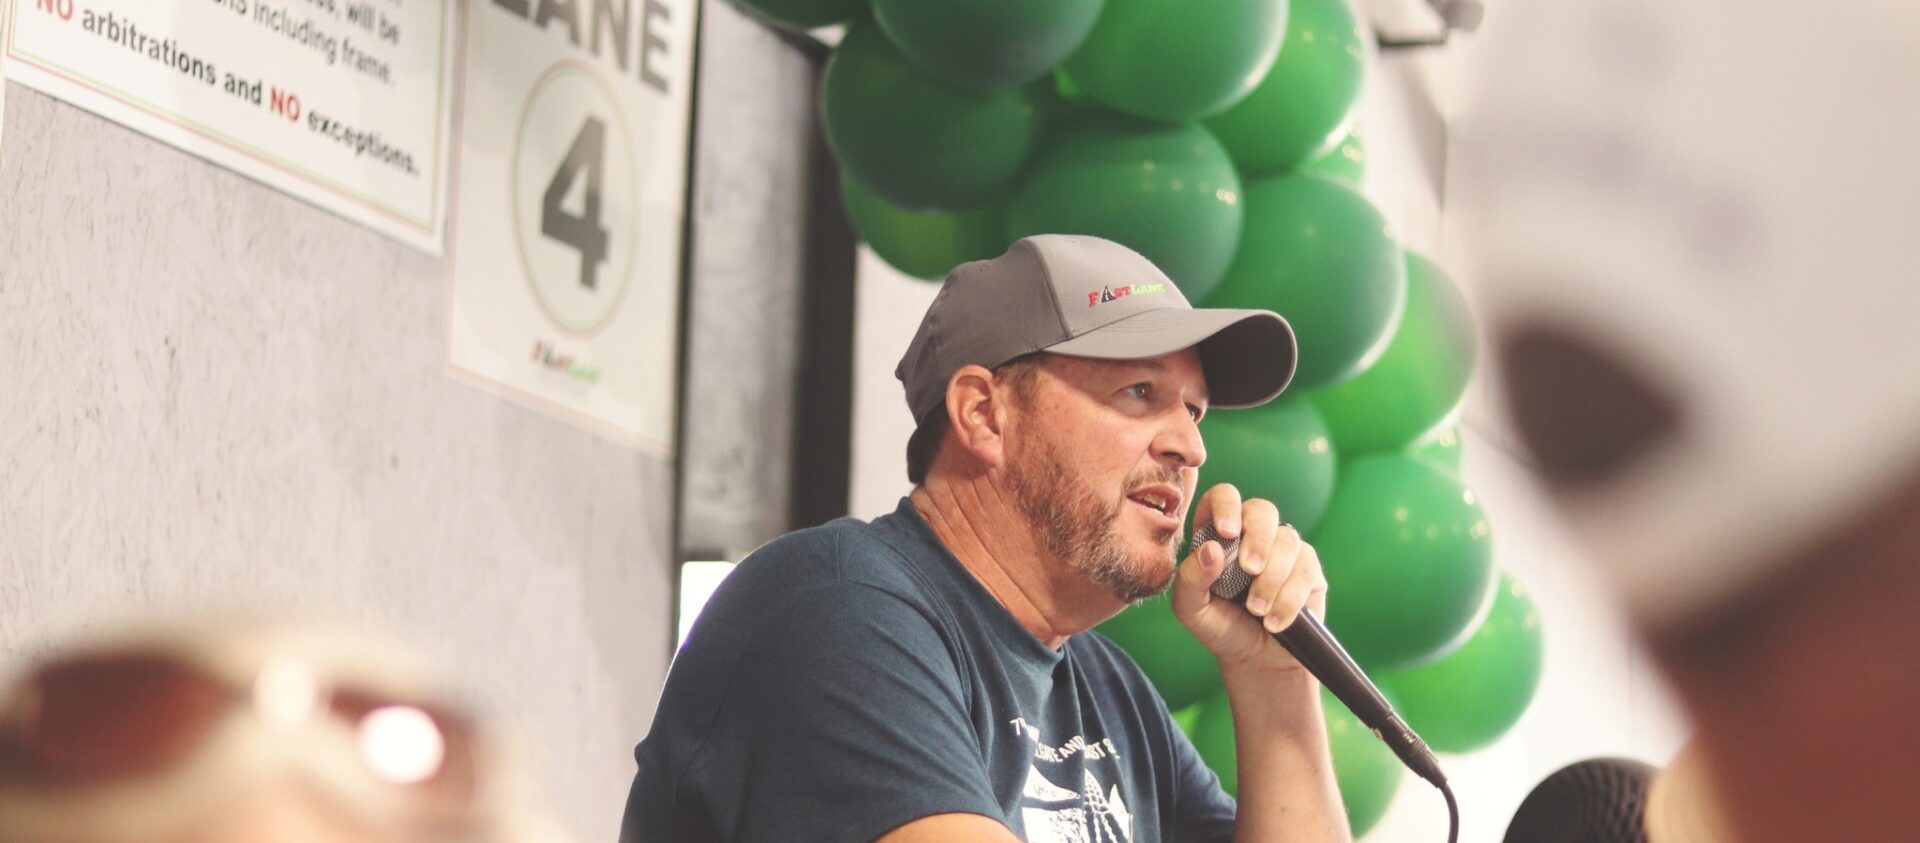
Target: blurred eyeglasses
[[138, 737]]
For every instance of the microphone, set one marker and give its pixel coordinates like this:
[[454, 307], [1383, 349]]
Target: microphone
[[1599, 800], [1310, 642]]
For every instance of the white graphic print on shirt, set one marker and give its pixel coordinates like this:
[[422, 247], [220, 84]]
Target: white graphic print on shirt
[[1055, 814]]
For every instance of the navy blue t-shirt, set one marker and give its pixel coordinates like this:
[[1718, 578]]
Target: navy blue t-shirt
[[851, 678]]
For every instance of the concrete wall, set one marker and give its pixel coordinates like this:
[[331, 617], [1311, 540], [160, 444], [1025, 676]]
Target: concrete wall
[[213, 394]]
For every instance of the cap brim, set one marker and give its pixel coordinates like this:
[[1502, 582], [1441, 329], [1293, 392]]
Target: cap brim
[[1248, 355]]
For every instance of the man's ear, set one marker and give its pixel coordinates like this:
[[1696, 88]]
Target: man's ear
[[978, 415]]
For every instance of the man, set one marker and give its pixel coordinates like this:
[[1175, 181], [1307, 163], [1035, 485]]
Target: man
[[926, 677]]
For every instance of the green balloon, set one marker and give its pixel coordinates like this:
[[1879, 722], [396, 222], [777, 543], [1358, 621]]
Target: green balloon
[[1180, 667], [1278, 451], [1320, 255], [924, 245], [1441, 448], [1213, 738], [1467, 700], [1367, 771], [918, 142], [805, 14], [1345, 163], [1168, 192], [1067, 89], [1306, 102], [1178, 59], [1186, 718], [1408, 559], [984, 43], [1418, 381]]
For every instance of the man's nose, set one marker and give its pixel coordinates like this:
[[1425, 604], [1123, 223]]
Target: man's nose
[[1180, 444]]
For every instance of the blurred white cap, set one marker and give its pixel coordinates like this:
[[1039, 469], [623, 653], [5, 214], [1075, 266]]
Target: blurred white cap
[[1724, 199]]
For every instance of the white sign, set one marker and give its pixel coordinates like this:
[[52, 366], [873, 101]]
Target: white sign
[[340, 102], [566, 248]]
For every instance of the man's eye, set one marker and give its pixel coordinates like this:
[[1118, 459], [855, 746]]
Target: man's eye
[[1140, 390], [1193, 411]]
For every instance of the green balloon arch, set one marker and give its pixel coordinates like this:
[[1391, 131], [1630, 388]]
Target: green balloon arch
[[1408, 558], [1178, 59], [1306, 102], [1181, 669], [1168, 192], [1345, 163], [1320, 255], [987, 43], [1279, 451], [918, 142], [1366, 770], [925, 245], [1472, 697], [1417, 381], [1441, 448]]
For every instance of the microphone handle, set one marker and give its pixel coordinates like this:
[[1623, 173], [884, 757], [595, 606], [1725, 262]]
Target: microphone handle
[[1320, 653], [1315, 647]]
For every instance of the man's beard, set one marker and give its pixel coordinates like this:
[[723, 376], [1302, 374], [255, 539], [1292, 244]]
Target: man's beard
[[1082, 530]]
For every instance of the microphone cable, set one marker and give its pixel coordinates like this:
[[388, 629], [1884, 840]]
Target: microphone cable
[[1453, 813]]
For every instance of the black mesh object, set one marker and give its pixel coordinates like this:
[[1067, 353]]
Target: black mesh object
[[1233, 582], [1599, 800]]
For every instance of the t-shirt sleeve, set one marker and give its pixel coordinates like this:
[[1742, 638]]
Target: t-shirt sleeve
[[1203, 810], [846, 718]]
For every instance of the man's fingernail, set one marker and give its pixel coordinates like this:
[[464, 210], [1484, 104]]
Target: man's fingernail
[[1275, 623], [1257, 605], [1252, 563]]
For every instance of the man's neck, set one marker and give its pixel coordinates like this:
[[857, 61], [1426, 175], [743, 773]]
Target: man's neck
[[984, 529]]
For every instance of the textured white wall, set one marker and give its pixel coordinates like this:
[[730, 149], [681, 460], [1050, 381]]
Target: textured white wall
[[218, 395], [213, 394]]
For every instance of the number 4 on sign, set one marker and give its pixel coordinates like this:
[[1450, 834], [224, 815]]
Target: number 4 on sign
[[584, 232]]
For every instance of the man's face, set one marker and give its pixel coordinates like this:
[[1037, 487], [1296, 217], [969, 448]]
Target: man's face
[[1103, 459]]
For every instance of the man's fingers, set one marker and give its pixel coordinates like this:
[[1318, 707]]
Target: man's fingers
[[1260, 526], [1271, 576], [1193, 583], [1298, 591], [1220, 506]]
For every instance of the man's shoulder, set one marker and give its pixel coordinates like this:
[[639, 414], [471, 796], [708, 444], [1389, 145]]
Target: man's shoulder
[[845, 551], [828, 586]]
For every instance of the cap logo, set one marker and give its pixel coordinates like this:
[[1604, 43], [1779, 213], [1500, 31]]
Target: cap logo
[[1108, 294]]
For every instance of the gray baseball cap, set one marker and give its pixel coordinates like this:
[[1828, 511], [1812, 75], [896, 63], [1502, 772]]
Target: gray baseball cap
[[1087, 297]]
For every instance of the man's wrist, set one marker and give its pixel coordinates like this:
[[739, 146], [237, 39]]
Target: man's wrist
[[1269, 678]]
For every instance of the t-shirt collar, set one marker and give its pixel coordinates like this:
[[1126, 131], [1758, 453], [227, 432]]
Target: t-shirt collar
[[907, 520]]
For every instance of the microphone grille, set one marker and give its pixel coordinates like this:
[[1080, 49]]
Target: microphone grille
[[1233, 582], [1599, 800]]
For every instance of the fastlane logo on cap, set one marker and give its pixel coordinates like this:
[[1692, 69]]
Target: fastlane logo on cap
[[1108, 294]]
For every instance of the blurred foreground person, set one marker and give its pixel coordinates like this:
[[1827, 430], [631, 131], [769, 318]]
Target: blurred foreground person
[[1695, 223], [217, 733]]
